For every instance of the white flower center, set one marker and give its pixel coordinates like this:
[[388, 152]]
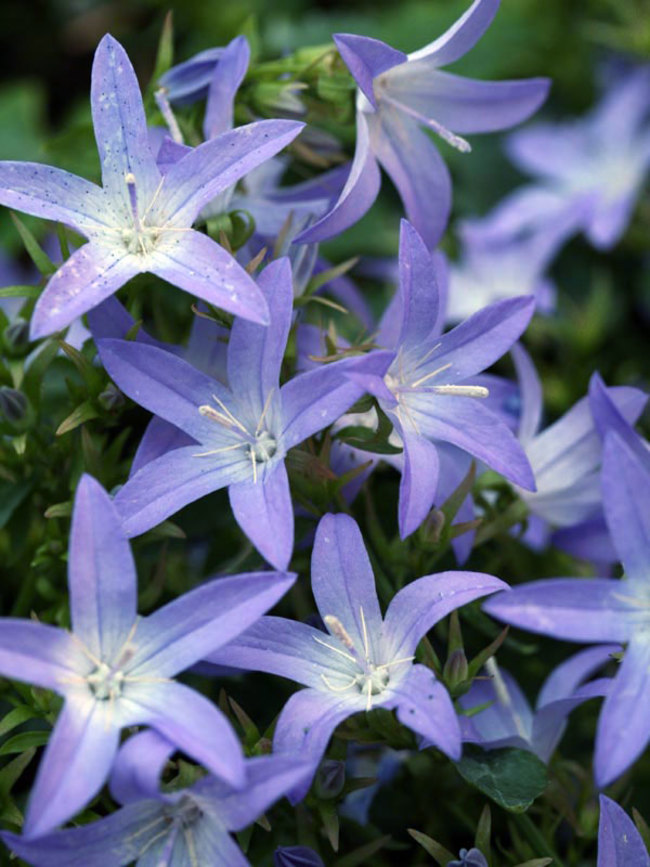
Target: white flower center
[[105, 682], [362, 674], [260, 445]]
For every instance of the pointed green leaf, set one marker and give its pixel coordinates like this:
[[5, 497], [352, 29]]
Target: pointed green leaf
[[439, 854], [36, 253], [83, 413]]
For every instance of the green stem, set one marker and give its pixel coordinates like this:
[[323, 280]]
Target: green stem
[[536, 839]]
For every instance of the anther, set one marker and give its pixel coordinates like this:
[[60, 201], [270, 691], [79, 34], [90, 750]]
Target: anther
[[337, 629]]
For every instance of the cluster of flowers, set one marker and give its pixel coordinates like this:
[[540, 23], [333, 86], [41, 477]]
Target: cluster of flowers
[[225, 415]]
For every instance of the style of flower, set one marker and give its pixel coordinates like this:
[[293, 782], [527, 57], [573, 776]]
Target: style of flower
[[509, 721], [598, 162], [241, 433], [565, 457], [363, 661], [140, 220], [603, 610], [431, 391], [619, 842], [115, 668], [398, 94], [168, 829]]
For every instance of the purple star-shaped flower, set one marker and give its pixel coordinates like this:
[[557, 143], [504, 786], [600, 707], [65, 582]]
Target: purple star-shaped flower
[[115, 668], [598, 163], [509, 720], [619, 842], [140, 220], [241, 433], [431, 391], [605, 610], [363, 661], [166, 829], [565, 456], [398, 94]]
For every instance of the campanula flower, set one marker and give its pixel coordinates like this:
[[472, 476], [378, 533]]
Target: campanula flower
[[603, 610], [364, 660], [165, 828], [115, 668], [242, 433], [432, 392], [398, 95], [598, 162], [140, 220], [509, 720]]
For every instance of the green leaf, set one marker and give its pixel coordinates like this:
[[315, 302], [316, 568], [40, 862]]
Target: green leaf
[[11, 496], [83, 413], [59, 510], [16, 717], [91, 375], [24, 741], [439, 854], [13, 770], [484, 832], [165, 53], [536, 862], [361, 855], [38, 364], [20, 291], [36, 253], [512, 778]]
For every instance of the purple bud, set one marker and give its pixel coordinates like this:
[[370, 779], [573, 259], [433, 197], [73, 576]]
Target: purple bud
[[14, 407], [111, 398], [469, 858], [330, 779]]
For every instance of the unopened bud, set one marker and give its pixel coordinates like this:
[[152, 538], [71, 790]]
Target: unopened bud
[[456, 670], [15, 409], [111, 398], [329, 779], [16, 338]]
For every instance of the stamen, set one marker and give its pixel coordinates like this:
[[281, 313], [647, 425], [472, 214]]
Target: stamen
[[394, 662], [254, 462], [433, 373], [219, 451], [225, 417], [337, 629], [334, 649], [331, 686], [445, 134], [267, 404], [151, 204], [462, 390], [369, 698], [365, 634]]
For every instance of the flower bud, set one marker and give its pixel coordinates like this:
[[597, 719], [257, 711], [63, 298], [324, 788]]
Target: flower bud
[[111, 398], [329, 779], [15, 409], [455, 671], [15, 338], [296, 856]]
